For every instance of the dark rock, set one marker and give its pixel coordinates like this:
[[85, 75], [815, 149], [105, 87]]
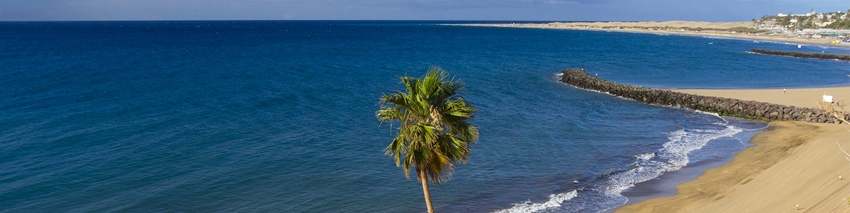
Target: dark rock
[[843, 57], [725, 106]]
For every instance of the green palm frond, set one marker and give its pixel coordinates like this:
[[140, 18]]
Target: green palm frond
[[433, 132]]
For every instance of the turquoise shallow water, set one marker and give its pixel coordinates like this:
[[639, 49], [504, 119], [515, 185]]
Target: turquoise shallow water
[[278, 116]]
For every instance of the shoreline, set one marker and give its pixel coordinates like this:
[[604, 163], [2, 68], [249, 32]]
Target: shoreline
[[790, 163], [795, 160], [742, 107], [665, 185], [684, 28], [798, 97]]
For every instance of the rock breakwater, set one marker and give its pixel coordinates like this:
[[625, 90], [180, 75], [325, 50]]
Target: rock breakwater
[[724, 106], [843, 57]]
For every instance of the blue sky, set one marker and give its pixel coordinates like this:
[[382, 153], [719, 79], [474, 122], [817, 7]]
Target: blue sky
[[532, 10]]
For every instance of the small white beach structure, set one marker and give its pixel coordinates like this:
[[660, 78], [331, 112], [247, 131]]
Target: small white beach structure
[[827, 98]]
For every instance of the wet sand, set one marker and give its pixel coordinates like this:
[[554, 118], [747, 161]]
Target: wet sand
[[791, 164]]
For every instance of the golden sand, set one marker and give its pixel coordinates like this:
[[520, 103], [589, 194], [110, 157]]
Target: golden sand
[[710, 29], [793, 167]]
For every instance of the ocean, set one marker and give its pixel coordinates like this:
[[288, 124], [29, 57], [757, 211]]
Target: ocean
[[278, 116]]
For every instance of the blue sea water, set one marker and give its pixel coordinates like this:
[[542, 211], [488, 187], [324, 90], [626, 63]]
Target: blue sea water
[[278, 116]]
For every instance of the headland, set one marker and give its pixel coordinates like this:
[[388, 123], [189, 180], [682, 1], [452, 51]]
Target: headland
[[737, 30]]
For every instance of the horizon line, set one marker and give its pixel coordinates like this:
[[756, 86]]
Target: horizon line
[[456, 20]]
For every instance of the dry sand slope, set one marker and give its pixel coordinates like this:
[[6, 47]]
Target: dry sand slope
[[793, 163]]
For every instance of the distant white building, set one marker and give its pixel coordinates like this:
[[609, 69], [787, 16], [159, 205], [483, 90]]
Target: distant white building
[[798, 15]]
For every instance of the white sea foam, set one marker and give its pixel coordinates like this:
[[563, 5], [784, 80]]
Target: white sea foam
[[557, 76], [598, 91], [555, 201], [645, 156], [722, 119], [671, 157], [708, 113]]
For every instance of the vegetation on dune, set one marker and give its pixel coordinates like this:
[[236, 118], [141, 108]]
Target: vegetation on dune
[[843, 24]]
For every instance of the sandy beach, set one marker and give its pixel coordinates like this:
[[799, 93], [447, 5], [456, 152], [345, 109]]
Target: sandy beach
[[692, 28], [800, 97], [791, 164]]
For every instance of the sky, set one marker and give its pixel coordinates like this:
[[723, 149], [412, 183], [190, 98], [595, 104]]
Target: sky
[[516, 10]]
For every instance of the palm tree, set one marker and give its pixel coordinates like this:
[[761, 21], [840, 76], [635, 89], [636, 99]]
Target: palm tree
[[433, 132]]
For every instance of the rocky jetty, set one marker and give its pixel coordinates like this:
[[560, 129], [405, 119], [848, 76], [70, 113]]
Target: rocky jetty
[[723, 106], [843, 57]]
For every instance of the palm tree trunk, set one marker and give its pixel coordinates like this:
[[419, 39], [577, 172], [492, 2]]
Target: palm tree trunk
[[424, 179]]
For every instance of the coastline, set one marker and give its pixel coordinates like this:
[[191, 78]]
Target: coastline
[[798, 97], [685, 28], [791, 163], [795, 155], [665, 185]]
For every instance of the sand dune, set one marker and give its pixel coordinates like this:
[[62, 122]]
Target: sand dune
[[693, 28], [653, 24]]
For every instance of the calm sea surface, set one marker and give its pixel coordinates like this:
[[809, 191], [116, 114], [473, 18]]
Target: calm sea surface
[[278, 116]]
